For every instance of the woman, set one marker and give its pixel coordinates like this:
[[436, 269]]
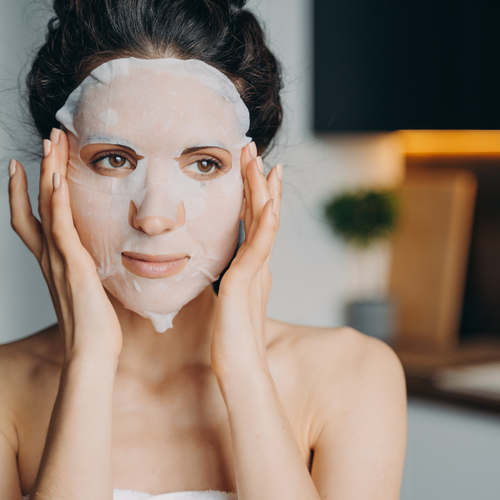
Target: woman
[[151, 383]]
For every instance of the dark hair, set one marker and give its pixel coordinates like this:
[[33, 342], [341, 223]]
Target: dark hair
[[87, 33]]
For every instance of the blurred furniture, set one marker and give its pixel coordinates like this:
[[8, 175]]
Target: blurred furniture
[[430, 251], [446, 275]]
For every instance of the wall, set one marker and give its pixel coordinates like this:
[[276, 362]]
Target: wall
[[451, 455], [25, 305]]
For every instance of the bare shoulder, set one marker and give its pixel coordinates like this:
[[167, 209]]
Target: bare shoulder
[[345, 396], [27, 368], [333, 351], [42, 348], [338, 370]]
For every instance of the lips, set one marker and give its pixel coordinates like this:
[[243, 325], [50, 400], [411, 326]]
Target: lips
[[154, 266]]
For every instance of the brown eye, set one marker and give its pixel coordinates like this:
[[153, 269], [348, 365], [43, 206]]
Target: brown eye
[[117, 161], [199, 164], [205, 166], [114, 161]]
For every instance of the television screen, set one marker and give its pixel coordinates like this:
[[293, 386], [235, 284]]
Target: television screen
[[383, 65]]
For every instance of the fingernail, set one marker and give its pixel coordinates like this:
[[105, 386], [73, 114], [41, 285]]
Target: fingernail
[[54, 135], [47, 146], [279, 171], [252, 148], [275, 206], [12, 167], [56, 180], [260, 164]]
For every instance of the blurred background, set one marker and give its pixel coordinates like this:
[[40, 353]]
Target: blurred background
[[391, 207]]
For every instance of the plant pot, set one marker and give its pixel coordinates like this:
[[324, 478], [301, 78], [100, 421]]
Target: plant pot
[[375, 317]]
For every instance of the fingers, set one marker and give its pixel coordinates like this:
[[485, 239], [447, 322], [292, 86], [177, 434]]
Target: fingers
[[257, 189], [24, 223], [261, 212], [274, 181], [275, 189], [259, 247], [261, 190], [258, 194], [248, 154], [63, 230], [51, 163], [47, 168], [61, 140], [38, 235]]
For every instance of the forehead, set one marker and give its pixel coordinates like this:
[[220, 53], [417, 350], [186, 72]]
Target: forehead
[[153, 105]]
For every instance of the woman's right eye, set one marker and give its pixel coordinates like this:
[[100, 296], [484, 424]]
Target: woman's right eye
[[114, 161]]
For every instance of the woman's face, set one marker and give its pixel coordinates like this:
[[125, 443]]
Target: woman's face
[[155, 181]]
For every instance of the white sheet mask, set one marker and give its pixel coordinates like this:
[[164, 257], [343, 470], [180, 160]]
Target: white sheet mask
[[150, 197]]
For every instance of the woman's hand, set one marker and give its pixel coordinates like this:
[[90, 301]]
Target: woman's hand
[[239, 337], [87, 320], [77, 457], [268, 461]]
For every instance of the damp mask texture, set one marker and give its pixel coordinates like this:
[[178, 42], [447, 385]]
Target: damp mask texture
[[154, 172]]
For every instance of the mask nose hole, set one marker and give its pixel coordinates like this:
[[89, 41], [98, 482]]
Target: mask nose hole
[[154, 225]]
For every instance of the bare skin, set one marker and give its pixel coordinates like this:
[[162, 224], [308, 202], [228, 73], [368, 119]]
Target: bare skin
[[227, 400]]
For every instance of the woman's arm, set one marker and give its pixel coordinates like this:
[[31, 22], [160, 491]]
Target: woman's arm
[[76, 461], [359, 449], [267, 459], [10, 489], [268, 462]]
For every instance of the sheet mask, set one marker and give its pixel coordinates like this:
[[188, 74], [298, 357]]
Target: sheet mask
[[154, 110]]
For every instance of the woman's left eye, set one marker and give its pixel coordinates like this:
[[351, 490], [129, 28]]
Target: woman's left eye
[[204, 166]]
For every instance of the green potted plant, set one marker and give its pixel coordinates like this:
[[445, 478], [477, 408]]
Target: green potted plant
[[365, 219]]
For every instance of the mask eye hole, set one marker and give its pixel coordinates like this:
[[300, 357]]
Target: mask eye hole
[[113, 161], [205, 163], [110, 160], [206, 167]]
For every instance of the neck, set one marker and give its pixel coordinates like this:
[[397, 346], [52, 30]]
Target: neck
[[186, 344]]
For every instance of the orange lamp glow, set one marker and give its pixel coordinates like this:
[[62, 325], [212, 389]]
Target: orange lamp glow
[[450, 141]]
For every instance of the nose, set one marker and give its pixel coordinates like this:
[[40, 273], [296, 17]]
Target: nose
[[154, 225]]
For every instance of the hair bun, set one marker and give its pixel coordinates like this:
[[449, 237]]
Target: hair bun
[[237, 4], [221, 33], [63, 7]]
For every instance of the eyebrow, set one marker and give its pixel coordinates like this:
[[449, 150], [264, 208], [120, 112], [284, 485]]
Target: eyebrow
[[189, 151]]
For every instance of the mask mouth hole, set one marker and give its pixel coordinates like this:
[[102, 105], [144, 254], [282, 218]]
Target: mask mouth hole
[[154, 266]]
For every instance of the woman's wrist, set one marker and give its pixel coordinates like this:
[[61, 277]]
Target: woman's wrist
[[242, 376], [84, 353], [238, 359], [86, 362]]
